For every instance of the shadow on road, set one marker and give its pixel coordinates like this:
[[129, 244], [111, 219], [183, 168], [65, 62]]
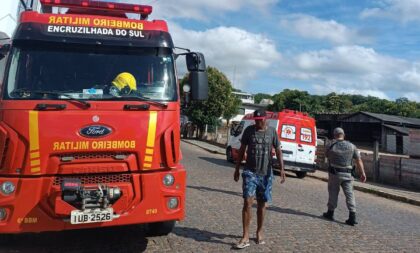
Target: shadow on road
[[219, 162], [291, 211], [116, 239], [203, 188], [269, 208], [202, 235]]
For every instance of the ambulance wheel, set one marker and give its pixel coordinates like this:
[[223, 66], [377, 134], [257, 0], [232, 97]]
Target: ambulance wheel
[[160, 228], [229, 156], [301, 174]]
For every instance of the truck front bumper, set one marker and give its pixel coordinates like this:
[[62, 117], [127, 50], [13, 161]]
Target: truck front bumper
[[36, 204]]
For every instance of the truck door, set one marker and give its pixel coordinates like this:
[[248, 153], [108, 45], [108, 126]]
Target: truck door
[[306, 144], [288, 141]]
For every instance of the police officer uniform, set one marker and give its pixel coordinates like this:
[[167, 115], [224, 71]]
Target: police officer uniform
[[340, 154]]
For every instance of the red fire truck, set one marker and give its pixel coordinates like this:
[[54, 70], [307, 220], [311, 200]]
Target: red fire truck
[[90, 119]]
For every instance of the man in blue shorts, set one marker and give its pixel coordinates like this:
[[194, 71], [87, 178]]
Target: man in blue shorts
[[259, 141]]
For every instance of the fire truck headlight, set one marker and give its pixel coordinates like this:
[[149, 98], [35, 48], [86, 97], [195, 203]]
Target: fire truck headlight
[[7, 188], [3, 213], [168, 180], [172, 203]]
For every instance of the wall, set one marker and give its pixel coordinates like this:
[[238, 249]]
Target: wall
[[414, 149], [393, 170]]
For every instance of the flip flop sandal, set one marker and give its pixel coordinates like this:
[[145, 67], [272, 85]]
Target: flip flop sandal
[[242, 245], [261, 242]]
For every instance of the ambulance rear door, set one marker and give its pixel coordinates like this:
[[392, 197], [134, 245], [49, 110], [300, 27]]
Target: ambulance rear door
[[306, 135], [288, 135]]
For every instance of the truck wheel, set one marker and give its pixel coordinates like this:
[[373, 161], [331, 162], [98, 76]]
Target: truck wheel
[[6, 239], [300, 174], [160, 228], [229, 156]]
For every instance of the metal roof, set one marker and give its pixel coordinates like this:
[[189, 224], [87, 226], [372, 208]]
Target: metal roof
[[402, 130], [390, 119]]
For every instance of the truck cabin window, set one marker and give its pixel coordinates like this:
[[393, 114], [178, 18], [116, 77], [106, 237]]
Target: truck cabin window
[[92, 73]]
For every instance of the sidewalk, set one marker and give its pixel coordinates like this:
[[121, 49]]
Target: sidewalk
[[410, 197]]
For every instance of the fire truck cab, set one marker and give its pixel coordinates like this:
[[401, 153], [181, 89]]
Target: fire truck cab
[[297, 134], [90, 119]]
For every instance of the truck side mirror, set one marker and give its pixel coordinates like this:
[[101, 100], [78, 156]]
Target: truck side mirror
[[4, 50], [196, 64]]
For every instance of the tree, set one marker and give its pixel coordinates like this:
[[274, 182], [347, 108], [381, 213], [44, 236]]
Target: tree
[[260, 96], [221, 101], [291, 99], [232, 107]]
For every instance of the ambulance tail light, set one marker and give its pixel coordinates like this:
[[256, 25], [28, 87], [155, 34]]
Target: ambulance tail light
[[109, 7]]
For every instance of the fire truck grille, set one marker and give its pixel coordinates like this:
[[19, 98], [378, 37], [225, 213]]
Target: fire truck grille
[[81, 156], [3, 155], [97, 179]]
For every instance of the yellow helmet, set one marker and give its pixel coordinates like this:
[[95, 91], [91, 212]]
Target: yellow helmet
[[123, 80]]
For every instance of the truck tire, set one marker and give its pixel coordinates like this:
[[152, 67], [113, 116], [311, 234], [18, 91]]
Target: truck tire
[[6, 239], [160, 228], [301, 174], [229, 156]]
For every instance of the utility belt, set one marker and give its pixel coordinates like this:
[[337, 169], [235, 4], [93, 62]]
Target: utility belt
[[334, 170]]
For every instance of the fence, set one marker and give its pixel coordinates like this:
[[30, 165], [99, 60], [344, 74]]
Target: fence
[[391, 170]]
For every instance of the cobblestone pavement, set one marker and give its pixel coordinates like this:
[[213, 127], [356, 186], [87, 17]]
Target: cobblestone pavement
[[213, 220]]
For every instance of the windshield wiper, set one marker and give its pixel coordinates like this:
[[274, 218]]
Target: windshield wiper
[[143, 99], [27, 91]]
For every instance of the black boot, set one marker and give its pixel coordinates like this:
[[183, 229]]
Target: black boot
[[329, 215], [352, 219]]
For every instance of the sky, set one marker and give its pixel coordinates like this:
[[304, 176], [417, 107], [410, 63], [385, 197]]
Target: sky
[[319, 46]]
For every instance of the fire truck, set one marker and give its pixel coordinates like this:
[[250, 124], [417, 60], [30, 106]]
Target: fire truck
[[90, 119], [297, 134]]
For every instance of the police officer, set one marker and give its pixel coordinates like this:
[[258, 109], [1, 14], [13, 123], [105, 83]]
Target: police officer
[[340, 154]]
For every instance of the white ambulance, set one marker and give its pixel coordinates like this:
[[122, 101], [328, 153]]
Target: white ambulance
[[297, 134]]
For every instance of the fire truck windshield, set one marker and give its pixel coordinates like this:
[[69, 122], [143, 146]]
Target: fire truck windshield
[[91, 73]]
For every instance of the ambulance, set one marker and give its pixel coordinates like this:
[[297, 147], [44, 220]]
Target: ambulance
[[297, 134], [90, 119]]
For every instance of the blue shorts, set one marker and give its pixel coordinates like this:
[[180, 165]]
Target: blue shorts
[[257, 186]]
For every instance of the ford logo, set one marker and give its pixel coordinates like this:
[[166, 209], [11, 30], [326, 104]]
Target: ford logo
[[95, 131]]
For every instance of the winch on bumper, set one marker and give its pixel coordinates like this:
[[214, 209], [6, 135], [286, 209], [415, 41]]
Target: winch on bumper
[[93, 202], [37, 204]]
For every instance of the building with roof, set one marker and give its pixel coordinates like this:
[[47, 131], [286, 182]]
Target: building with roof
[[392, 132], [248, 105]]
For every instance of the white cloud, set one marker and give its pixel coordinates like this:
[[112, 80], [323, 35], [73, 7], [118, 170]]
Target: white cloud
[[355, 70], [200, 10], [230, 49], [413, 96], [329, 30], [401, 10], [412, 76]]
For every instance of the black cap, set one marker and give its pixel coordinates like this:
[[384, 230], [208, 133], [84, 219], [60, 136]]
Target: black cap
[[260, 114]]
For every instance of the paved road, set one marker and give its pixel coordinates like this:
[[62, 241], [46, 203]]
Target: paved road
[[213, 220]]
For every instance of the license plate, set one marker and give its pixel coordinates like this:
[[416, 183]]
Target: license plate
[[91, 216]]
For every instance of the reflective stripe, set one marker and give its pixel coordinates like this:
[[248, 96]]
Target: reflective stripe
[[152, 130], [151, 135], [34, 142], [33, 130]]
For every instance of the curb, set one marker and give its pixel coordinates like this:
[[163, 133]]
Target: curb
[[207, 149], [377, 192], [357, 187]]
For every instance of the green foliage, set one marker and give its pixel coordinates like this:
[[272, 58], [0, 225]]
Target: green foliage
[[342, 103], [260, 96], [221, 101]]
